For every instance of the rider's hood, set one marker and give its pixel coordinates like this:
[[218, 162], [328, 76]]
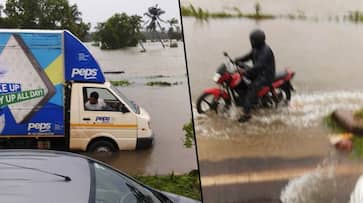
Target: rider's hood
[[257, 39]]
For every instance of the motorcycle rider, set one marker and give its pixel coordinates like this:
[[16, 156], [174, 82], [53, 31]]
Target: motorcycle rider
[[262, 73]]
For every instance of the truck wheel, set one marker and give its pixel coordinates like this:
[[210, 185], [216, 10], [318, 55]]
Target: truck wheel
[[102, 146]]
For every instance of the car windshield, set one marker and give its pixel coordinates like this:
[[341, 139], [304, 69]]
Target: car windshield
[[134, 107], [111, 186]]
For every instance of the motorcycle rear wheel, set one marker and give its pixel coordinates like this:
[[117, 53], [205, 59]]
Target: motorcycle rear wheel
[[208, 102]]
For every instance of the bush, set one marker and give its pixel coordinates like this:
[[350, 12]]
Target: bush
[[119, 31]]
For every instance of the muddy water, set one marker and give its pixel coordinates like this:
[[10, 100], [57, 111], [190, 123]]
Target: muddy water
[[327, 60], [169, 107]]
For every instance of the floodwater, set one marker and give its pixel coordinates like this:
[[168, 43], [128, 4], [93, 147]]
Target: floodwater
[[288, 143], [169, 107]]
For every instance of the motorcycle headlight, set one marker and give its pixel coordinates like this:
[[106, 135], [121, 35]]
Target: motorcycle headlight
[[216, 77]]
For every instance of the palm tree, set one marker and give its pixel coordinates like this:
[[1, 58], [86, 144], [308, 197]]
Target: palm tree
[[172, 26]]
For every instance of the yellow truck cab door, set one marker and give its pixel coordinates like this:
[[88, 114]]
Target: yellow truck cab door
[[103, 120]]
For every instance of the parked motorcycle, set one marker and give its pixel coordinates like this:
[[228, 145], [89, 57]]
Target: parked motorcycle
[[233, 83]]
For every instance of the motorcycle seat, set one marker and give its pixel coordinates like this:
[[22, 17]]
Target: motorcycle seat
[[281, 75]]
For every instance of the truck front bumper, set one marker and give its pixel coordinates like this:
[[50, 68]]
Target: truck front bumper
[[144, 142]]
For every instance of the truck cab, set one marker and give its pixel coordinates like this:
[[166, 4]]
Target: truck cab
[[118, 124]]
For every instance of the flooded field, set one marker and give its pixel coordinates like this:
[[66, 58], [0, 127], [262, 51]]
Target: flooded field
[[288, 143], [169, 107]]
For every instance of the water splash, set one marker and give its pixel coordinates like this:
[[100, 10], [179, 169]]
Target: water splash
[[304, 111], [314, 187], [357, 194]]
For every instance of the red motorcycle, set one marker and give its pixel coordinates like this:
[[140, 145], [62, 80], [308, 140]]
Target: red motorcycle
[[233, 86]]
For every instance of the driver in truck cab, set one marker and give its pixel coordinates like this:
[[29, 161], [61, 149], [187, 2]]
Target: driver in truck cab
[[95, 103]]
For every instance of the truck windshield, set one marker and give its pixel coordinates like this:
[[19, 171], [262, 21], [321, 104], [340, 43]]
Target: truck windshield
[[134, 107]]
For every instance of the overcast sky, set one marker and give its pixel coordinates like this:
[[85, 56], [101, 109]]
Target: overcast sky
[[95, 11]]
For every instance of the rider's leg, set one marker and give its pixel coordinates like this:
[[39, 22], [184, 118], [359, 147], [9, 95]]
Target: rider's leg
[[248, 102], [251, 97]]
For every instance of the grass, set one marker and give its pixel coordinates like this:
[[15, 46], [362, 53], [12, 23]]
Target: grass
[[201, 14], [121, 83], [357, 146], [189, 134], [355, 16], [192, 11], [187, 185], [157, 76], [162, 83], [358, 114], [260, 16], [333, 125]]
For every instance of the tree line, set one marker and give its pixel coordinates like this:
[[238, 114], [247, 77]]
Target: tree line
[[120, 30], [43, 14]]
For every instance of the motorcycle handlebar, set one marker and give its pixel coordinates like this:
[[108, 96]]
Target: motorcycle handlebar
[[228, 57]]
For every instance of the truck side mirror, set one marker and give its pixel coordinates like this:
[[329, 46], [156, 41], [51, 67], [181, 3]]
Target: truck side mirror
[[123, 108]]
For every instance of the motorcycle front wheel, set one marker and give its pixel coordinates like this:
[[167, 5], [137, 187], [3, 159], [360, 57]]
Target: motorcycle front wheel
[[286, 93], [207, 102]]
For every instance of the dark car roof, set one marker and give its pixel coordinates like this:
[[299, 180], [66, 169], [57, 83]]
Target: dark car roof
[[25, 176]]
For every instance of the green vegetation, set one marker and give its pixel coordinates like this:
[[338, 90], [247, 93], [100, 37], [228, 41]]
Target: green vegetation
[[187, 185], [119, 31], [355, 16], [358, 114], [333, 125], [43, 14], [157, 76], [122, 83], [357, 146], [357, 141], [189, 134], [201, 14], [174, 31], [162, 83], [173, 44]]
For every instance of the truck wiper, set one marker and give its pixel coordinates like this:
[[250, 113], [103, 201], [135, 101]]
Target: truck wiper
[[66, 178]]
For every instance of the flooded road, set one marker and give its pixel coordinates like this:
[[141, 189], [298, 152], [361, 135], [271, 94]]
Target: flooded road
[[169, 107], [292, 140]]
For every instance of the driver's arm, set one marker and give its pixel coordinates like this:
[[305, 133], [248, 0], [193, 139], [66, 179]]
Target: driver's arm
[[244, 58], [103, 104]]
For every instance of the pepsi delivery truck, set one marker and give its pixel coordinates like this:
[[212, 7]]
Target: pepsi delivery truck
[[53, 95]]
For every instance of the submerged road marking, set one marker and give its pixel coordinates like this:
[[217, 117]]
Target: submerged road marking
[[271, 175]]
